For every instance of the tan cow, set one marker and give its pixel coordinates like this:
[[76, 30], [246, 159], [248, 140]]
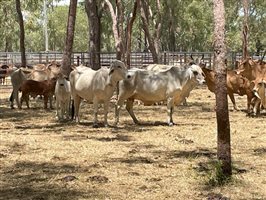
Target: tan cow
[[259, 90], [236, 84]]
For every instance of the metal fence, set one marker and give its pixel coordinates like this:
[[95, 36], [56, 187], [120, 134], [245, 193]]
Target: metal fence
[[138, 59]]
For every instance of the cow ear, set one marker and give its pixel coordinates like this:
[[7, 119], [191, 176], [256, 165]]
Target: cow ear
[[252, 84]]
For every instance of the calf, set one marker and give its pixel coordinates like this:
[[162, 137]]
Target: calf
[[236, 84], [34, 88], [3, 73], [62, 95]]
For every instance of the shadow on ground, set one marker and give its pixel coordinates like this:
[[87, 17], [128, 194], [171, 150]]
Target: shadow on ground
[[32, 180]]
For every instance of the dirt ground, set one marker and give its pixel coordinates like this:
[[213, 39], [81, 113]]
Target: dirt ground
[[43, 159]]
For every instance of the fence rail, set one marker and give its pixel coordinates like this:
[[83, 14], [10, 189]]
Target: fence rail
[[138, 59]]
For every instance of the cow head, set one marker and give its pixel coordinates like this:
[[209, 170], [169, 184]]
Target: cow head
[[259, 89], [247, 68], [199, 60], [117, 71], [197, 74]]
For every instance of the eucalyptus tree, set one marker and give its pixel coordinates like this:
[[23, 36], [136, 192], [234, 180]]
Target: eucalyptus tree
[[245, 30], [150, 19], [122, 35], [222, 114], [22, 34], [94, 12], [66, 61]]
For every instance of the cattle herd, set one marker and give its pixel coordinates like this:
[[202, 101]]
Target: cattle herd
[[170, 84]]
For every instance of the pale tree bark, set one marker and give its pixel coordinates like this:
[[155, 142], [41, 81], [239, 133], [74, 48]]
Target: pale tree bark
[[153, 39], [94, 18], [22, 34], [66, 62], [129, 31], [122, 36], [222, 115], [245, 30], [117, 21]]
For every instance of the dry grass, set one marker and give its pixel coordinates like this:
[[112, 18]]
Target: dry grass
[[41, 158]]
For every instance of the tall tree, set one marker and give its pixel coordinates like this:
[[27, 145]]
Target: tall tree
[[94, 17], [122, 36], [222, 114], [153, 38], [66, 62], [22, 34], [131, 19], [245, 30], [118, 26]]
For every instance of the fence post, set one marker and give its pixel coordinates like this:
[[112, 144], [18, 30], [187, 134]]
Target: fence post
[[164, 58], [78, 60]]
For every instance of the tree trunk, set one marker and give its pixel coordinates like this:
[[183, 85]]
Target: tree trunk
[[222, 115], [117, 30], [95, 32], [22, 34], [245, 30], [66, 62], [153, 40], [129, 32]]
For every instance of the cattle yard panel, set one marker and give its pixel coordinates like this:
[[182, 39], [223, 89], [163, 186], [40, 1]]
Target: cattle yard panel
[[138, 59]]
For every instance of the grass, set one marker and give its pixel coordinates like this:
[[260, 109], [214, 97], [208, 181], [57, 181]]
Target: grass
[[41, 158]]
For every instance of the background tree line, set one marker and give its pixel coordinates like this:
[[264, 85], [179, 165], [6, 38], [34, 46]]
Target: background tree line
[[176, 25]]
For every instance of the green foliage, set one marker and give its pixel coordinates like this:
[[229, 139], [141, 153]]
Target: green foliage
[[187, 25], [216, 176]]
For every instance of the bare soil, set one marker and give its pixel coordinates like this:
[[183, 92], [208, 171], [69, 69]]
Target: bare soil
[[43, 159]]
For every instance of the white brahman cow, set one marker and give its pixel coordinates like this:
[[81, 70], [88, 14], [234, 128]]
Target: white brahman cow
[[171, 85], [63, 97], [96, 87]]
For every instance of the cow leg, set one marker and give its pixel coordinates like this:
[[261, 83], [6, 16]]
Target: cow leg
[[170, 109], [118, 107], [77, 101], [256, 109], [67, 108], [51, 101], [16, 97], [95, 111], [106, 109], [231, 95], [45, 100], [11, 99], [57, 108], [249, 109], [129, 107]]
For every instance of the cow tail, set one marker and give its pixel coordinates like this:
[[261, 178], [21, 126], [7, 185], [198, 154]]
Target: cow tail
[[72, 109], [11, 98]]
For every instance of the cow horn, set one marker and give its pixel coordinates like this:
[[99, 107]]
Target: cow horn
[[256, 94]]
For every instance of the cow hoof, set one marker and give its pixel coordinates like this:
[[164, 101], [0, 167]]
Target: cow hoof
[[95, 126], [171, 124]]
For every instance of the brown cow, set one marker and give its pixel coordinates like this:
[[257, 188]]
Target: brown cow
[[34, 88], [4, 72], [251, 69], [259, 89], [236, 84]]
